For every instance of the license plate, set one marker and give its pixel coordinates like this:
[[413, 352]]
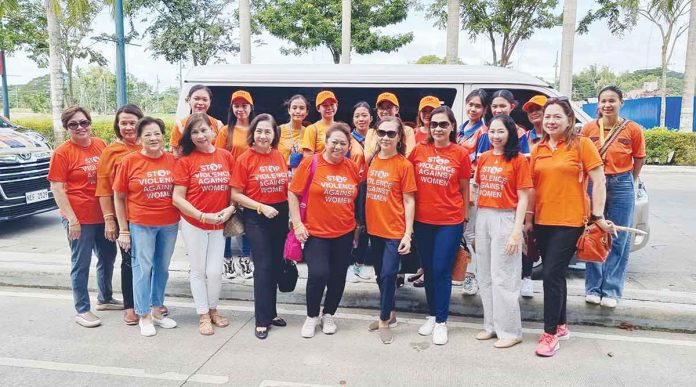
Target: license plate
[[37, 196]]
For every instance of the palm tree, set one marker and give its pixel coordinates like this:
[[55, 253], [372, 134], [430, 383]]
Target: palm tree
[[346, 43], [452, 50], [687, 108], [570, 8]]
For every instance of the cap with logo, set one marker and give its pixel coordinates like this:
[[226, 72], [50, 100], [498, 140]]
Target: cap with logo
[[243, 95], [429, 101], [539, 100], [387, 97], [324, 96]]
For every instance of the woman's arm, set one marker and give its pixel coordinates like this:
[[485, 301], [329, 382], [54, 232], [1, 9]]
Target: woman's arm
[[529, 213], [120, 208], [110, 227], [61, 198], [599, 197], [410, 212], [247, 202], [637, 166], [294, 206]]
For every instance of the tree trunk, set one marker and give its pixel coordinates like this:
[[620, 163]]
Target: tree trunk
[[452, 53], [56, 71], [686, 120], [69, 98], [663, 83], [346, 20], [491, 37], [570, 8], [244, 32]]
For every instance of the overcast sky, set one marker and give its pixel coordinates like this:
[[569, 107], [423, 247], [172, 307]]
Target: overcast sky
[[638, 50]]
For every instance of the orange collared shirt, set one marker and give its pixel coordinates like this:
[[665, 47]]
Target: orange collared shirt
[[239, 140], [108, 163], [629, 145]]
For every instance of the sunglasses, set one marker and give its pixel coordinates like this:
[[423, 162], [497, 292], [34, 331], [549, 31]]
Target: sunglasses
[[558, 99], [441, 124], [72, 125], [388, 133]]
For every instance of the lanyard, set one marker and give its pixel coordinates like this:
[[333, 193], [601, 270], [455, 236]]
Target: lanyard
[[602, 140]]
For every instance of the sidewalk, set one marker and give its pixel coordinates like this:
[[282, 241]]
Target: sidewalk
[[647, 309]]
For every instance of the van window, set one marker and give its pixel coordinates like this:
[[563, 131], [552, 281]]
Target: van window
[[271, 100]]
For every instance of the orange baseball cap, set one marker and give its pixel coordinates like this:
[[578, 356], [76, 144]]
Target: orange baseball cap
[[430, 101], [324, 96], [243, 95], [387, 97], [539, 100]]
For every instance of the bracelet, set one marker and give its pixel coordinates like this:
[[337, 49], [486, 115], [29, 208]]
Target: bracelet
[[124, 233], [258, 209], [530, 212], [109, 215], [201, 218], [73, 224]]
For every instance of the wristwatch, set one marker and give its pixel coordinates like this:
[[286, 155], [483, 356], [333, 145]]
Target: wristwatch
[[594, 218]]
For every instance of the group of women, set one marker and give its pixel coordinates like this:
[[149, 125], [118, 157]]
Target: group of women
[[423, 187]]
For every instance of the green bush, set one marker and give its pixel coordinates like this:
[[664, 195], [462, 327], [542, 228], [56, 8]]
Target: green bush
[[660, 143]]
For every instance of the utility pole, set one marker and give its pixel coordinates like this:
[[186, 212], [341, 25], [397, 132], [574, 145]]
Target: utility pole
[[244, 32], [5, 92], [121, 88], [346, 37], [570, 8], [686, 119]]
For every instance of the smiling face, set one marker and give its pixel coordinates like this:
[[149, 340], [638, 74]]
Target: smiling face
[[151, 138], [500, 106], [385, 131], [328, 109], [263, 135], [474, 109], [298, 110], [336, 146], [199, 101], [425, 115], [556, 121], [609, 104], [535, 114], [498, 135], [79, 127], [440, 128], [387, 108], [362, 119], [241, 110], [126, 126], [202, 136]]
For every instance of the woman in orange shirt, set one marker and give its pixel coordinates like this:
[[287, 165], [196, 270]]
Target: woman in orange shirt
[[239, 116], [314, 137], [327, 232], [199, 99], [291, 133], [201, 193], [505, 184], [623, 160], [389, 209], [425, 107], [126, 142], [73, 177], [143, 190], [260, 184], [560, 164], [442, 171]]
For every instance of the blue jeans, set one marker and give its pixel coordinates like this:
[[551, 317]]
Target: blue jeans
[[387, 262], [91, 239], [242, 244], [607, 279], [438, 245], [152, 249]]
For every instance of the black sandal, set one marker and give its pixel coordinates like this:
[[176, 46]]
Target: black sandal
[[262, 335], [279, 322]]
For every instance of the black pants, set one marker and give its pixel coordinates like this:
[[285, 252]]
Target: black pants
[[267, 239], [327, 262], [557, 246], [126, 279]]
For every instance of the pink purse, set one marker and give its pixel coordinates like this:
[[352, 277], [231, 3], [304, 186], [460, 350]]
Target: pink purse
[[293, 247]]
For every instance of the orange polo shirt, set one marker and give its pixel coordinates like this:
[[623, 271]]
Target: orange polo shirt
[[560, 182], [108, 163], [239, 140], [629, 144]]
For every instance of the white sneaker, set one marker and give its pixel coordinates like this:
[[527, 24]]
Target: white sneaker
[[228, 269], [164, 322], [470, 287], [457, 283], [609, 302], [309, 327], [88, 319], [593, 299], [351, 274], [247, 267], [527, 290], [328, 325], [440, 334], [427, 328], [363, 272], [147, 329]]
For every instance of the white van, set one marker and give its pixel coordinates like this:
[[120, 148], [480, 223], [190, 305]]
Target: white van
[[271, 85]]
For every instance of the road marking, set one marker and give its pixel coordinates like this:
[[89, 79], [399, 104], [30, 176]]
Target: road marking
[[114, 371], [369, 317]]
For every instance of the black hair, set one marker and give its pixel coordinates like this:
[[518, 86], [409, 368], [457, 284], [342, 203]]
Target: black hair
[[128, 108], [444, 109], [261, 118], [145, 121], [362, 104], [512, 146], [613, 88], [232, 122], [193, 121], [292, 99], [195, 88], [478, 93]]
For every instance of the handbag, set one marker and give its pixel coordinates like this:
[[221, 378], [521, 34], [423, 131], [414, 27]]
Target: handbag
[[234, 225], [288, 276], [292, 249], [461, 261]]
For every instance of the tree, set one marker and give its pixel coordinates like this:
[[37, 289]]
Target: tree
[[621, 15], [687, 108], [182, 30], [589, 81], [22, 27], [452, 50], [510, 21], [434, 59], [308, 24]]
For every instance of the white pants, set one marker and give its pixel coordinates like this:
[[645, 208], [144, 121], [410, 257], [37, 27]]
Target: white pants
[[470, 229], [205, 249], [499, 275]]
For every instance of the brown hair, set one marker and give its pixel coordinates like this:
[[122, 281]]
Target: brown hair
[[401, 145], [444, 109], [128, 109], [194, 121], [145, 121], [255, 122], [570, 135], [338, 127], [70, 112]]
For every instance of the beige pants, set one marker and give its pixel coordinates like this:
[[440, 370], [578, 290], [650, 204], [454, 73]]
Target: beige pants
[[499, 275]]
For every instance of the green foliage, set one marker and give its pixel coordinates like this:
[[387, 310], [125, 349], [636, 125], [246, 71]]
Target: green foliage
[[620, 15], [22, 27], [660, 143], [308, 24], [590, 80], [500, 21], [434, 59]]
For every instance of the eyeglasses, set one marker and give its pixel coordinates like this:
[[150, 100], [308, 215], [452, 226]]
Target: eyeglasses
[[388, 133], [72, 125], [441, 124]]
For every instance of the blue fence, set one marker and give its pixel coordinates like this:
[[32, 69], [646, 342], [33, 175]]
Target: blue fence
[[646, 111]]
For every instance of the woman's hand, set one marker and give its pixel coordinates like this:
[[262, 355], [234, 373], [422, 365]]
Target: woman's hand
[[528, 227], [74, 230], [210, 218], [514, 242], [607, 226], [227, 213], [301, 232], [404, 245], [124, 241], [268, 211], [110, 229]]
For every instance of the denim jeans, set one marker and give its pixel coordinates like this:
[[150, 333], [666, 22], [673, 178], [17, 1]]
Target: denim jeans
[[91, 239], [152, 249], [242, 244], [438, 246], [387, 262], [607, 279]]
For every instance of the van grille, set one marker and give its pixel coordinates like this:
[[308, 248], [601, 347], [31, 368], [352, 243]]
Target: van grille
[[16, 180]]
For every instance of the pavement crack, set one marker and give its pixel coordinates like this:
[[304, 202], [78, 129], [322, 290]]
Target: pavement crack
[[216, 351]]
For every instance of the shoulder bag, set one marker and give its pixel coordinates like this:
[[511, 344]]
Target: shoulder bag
[[293, 248]]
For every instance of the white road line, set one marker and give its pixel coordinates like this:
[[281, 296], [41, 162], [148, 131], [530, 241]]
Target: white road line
[[369, 317], [115, 371]]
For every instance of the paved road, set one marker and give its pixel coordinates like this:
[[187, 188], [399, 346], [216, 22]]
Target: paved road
[[43, 347]]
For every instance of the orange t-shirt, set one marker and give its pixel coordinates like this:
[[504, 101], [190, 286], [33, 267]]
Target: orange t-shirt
[[357, 154], [332, 193], [314, 137], [560, 182], [206, 177], [438, 173], [76, 168], [239, 140], [421, 136], [628, 145], [387, 181], [499, 180], [108, 163], [179, 125], [289, 139], [262, 177], [148, 185]]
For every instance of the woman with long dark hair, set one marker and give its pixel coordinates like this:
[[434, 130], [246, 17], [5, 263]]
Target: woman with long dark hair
[[199, 99], [291, 132]]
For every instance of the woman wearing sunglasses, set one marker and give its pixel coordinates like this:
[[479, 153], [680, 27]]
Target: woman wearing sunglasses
[[389, 209], [442, 171], [73, 177]]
